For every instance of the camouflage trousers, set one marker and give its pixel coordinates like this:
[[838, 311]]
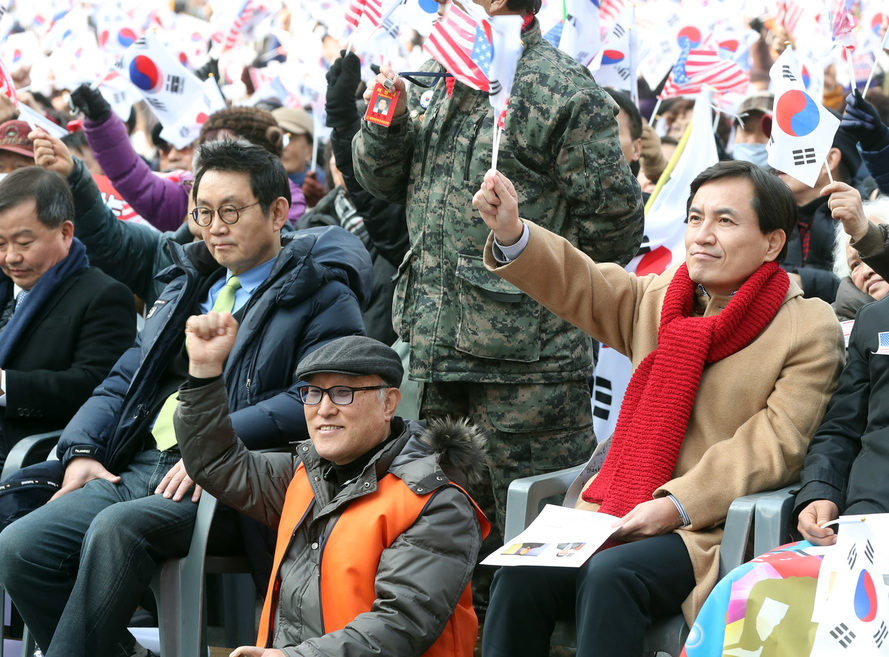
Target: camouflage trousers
[[530, 429]]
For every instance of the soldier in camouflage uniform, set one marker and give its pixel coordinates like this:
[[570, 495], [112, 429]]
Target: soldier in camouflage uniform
[[480, 347]]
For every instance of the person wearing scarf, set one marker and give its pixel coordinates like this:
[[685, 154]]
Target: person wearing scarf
[[733, 370], [63, 325]]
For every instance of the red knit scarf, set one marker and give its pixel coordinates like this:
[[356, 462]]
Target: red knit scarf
[[657, 406]]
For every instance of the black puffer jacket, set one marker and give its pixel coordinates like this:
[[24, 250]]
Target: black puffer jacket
[[313, 295]]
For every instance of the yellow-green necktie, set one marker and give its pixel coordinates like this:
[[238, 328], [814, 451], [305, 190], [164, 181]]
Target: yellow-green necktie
[[163, 431]]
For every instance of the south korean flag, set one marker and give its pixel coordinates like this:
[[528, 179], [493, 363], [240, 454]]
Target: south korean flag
[[802, 129]]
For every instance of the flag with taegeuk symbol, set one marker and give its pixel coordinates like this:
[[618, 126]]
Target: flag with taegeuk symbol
[[802, 129], [7, 87], [160, 78], [464, 46]]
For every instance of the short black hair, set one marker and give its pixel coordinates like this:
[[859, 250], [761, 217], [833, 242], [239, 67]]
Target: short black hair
[[628, 107], [268, 179], [773, 202], [48, 189]]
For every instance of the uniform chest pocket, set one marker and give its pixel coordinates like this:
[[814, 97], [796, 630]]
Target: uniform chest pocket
[[495, 318]]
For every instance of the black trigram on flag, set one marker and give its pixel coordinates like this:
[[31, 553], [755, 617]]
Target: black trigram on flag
[[156, 104], [803, 156], [624, 73], [787, 74], [869, 551], [618, 30], [496, 87], [673, 20], [602, 405], [881, 634], [852, 557], [175, 84], [843, 635]]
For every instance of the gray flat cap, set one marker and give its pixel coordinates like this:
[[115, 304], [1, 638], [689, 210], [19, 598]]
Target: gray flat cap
[[355, 355]]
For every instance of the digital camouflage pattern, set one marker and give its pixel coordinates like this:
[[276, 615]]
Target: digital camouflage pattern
[[560, 147]]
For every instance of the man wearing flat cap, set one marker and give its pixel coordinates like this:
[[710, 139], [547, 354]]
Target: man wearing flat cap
[[377, 536]]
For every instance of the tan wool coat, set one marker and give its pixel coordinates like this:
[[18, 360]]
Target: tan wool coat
[[754, 412]]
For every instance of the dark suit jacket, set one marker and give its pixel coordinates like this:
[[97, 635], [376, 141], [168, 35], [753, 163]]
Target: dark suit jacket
[[67, 350], [848, 457]]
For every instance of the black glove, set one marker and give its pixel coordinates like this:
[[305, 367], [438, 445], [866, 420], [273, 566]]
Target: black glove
[[91, 102], [211, 67], [343, 79], [862, 122]]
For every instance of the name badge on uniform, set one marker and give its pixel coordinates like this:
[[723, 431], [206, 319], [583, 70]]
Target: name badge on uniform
[[382, 104]]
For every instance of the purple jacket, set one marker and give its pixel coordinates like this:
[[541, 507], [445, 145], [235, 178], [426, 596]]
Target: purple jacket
[[162, 202]]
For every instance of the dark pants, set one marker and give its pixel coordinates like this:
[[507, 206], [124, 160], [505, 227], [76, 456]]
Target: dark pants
[[613, 597]]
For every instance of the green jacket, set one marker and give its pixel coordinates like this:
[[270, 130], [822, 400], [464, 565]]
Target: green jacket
[[560, 148]]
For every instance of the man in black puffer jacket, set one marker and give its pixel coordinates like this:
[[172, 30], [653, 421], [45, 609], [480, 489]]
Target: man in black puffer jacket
[[77, 566]]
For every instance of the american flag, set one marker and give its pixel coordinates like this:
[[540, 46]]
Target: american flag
[[882, 343], [788, 14], [702, 67], [842, 22], [373, 9], [609, 10], [463, 46]]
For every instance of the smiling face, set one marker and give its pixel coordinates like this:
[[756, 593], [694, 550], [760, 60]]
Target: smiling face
[[255, 238], [342, 434], [865, 278], [28, 249], [723, 241]]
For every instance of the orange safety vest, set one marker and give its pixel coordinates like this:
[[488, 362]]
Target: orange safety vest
[[347, 575]]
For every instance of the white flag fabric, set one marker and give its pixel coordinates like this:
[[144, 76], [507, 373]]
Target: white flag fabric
[[580, 33], [851, 599], [663, 245], [188, 128], [506, 37], [167, 86], [802, 129], [613, 64]]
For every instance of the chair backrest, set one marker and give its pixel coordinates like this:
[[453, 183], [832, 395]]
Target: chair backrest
[[592, 467]]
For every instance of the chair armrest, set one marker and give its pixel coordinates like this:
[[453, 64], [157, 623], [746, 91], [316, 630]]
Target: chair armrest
[[772, 525], [738, 524], [29, 450], [524, 496]]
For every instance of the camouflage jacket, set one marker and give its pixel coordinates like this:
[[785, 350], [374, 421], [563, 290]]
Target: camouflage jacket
[[560, 148]]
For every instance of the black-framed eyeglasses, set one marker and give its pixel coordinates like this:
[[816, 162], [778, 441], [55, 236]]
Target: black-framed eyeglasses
[[339, 395], [228, 213]]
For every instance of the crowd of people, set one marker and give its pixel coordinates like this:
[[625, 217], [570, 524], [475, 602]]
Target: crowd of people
[[356, 343]]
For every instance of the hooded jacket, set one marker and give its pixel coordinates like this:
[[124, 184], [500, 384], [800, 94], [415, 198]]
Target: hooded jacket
[[420, 583], [312, 295]]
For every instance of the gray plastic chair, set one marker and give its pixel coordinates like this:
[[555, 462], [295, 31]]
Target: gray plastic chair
[[178, 587], [525, 496], [27, 451]]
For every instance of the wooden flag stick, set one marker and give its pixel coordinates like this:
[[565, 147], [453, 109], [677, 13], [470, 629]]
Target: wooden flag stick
[[496, 145]]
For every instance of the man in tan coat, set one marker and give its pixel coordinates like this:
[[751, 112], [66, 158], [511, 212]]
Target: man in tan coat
[[732, 373]]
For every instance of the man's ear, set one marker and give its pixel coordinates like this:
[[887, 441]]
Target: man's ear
[[393, 398], [777, 239], [280, 209]]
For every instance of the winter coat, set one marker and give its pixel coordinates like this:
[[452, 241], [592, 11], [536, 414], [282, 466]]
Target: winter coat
[[848, 300], [311, 296], [561, 150], [874, 248], [132, 253], [337, 209], [422, 572], [817, 270], [754, 411], [162, 202], [849, 454]]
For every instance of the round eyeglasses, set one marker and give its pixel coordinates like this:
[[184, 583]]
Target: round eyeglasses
[[229, 214], [339, 395]]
